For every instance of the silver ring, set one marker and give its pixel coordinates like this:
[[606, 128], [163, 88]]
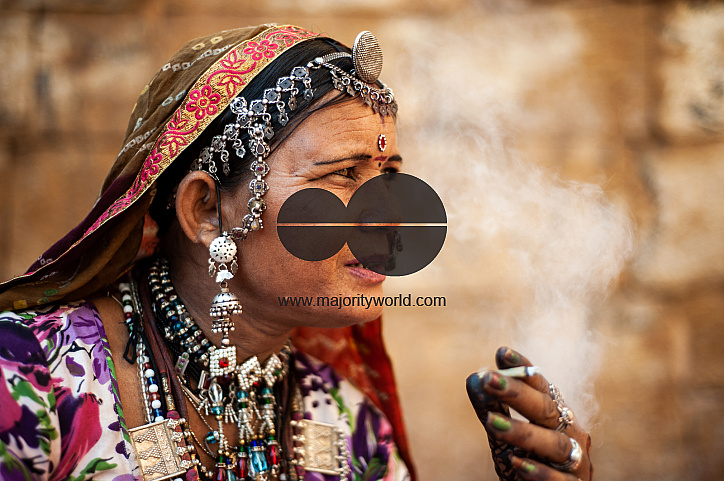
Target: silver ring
[[574, 458], [565, 417]]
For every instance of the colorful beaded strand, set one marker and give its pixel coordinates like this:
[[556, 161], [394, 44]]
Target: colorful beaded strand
[[147, 376]]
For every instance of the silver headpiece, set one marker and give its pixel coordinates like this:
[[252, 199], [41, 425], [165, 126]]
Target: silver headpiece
[[255, 117]]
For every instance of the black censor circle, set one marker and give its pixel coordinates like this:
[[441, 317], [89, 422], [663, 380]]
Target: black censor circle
[[394, 224]]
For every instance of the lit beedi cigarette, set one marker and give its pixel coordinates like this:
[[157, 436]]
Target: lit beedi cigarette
[[520, 371]]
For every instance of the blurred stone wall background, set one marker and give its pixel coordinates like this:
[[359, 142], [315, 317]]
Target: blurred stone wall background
[[627, 95]]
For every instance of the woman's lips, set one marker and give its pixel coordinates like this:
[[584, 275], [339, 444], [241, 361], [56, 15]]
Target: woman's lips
[[357, 269]]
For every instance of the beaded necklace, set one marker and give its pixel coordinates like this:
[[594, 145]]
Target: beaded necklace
[[217, 387], [163, 448]]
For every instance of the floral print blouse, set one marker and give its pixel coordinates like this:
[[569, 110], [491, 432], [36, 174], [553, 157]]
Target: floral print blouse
[[61, 418]]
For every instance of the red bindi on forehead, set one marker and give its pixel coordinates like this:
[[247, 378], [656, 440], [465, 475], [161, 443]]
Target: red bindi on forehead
[[382, 142]]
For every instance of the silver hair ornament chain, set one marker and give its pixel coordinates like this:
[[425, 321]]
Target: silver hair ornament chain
[[255, 117]]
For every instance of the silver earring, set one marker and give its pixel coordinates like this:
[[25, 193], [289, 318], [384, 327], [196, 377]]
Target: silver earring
[[222, 262]]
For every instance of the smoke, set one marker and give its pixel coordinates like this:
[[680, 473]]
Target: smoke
[[567, 243], [518, 235]]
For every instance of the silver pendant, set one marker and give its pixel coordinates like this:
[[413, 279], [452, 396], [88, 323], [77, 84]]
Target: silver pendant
[[159, 450], [222, 361], [325, 448]]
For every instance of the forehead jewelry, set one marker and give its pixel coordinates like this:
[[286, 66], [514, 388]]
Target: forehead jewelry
[[255, 117]]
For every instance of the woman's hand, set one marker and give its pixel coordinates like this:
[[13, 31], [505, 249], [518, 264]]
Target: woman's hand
[[552, 446]]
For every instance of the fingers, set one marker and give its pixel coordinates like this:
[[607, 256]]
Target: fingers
[[546, 445], [530, 469], [481, 402], [550, 445], [506, 358], [543, 406], [535, 405]]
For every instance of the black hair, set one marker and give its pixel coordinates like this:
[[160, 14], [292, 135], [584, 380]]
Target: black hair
[[162, 208]]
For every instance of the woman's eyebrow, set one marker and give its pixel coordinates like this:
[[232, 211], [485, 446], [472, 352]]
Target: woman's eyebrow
[[357, 158]]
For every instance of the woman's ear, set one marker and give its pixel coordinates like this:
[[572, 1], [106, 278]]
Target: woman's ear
[[196, 207]]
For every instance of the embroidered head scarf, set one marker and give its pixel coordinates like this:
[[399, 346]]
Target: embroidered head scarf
[[176, 106]]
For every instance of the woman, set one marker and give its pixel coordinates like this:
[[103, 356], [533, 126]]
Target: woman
[[143, 379]]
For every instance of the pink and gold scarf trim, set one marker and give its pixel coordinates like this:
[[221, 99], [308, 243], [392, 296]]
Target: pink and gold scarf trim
[[208, 97]]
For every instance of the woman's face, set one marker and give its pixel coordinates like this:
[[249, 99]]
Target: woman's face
[[335, 149]]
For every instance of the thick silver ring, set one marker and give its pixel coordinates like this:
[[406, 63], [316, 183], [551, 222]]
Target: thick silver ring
[[574, 458], [565, 417]]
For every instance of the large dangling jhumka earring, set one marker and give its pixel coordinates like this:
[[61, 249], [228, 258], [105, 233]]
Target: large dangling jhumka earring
[[222, 262]]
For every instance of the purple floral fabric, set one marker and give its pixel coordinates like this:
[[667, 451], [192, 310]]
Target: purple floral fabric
[[330, 398], [61, 418]]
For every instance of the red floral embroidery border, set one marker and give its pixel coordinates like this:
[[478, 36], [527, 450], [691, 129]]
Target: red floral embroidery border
[[210, 95]]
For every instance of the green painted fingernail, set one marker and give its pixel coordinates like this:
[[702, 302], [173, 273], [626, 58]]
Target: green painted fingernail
[[527, 467], [512, 356], [499, 423], [496, 381]]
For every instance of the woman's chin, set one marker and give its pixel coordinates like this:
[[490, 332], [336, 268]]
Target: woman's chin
[[347, 315]]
